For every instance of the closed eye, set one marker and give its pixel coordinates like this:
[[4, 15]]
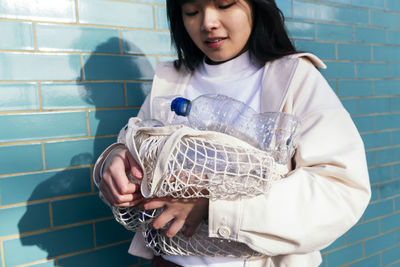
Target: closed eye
[[226, 6], [191, 14]]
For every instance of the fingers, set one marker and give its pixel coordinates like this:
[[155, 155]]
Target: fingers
[[155, 203], [116, 177], [134, 167], [162, 219], [115, 185], [174, 228]]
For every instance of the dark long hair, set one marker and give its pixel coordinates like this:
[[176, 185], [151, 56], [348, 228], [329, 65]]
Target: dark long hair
[[268, 39]]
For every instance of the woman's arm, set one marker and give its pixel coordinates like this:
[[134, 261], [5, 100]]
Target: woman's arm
[[323, 196]]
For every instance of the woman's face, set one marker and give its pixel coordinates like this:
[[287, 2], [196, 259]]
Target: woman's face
[[219, 28]]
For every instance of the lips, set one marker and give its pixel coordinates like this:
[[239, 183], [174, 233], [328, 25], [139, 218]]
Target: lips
[[215, 43], [215, 39]]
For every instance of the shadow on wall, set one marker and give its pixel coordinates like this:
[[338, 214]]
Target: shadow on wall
[[77, 204]]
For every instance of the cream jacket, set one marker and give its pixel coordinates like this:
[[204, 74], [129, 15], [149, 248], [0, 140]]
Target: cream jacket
[[324, 194]]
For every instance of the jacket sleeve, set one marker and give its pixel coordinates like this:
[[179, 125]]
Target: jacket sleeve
[[322, 197]]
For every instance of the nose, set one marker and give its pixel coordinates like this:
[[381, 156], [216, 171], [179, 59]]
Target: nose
[[210, 20]]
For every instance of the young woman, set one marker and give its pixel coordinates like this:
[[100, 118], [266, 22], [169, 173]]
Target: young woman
[[239, 48]]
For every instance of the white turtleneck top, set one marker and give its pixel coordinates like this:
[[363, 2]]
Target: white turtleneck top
[[239, 78]]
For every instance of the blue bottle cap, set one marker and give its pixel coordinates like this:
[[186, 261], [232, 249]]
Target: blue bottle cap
[[181, 106]]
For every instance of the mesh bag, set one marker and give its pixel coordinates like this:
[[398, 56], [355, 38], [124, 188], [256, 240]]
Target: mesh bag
[[180, 162], [197, 245]]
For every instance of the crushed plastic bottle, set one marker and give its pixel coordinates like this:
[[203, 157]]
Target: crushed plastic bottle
[[273, 131]]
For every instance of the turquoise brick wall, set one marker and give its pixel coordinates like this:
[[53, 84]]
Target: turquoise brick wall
[[73, 71]]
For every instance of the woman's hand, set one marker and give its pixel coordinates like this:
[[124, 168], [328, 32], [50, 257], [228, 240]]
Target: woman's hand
[[115, 185], [180, 212]]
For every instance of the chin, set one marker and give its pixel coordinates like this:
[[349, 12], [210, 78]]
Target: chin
[[217, 60]]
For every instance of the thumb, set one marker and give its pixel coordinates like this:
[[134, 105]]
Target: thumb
[[133, 166]]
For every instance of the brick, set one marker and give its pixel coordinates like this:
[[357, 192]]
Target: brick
[[379, 243], [394, 70], [74, 210], [374, 193], [62, 154], [393, 5], [19, 35], [137, 92], [118, 67], [107, 122], [19, 67], [110, 231], [345, 255], [351, 15], [388, 155], [50, 263], [285, 6], [362, 231], [370, 35], [161, 18], [300, 30], [389, 189], [82, 95], [340, 242], [124, 14], [322, 50], [348, 88], [380, 174], [390, 121], [44, 185], [19, 96], [334, 32], [384, 19], [371, 70], [365, 123], [390, 222], [396, 171], [42, 126], [396, 138], [48, 244], [354, 52], [341, 70], [146, 42], [393, 37], [350, 105], [390, 256], [308, 10], [24, 219], [386, 53], [375, 140], [395, 104], [57, 10], [110, 256], [21, 158], [369, 3], [51, 37], [371, 261], [339, 1], [374, 105], [387, 87], [371, 158], [378, 209]]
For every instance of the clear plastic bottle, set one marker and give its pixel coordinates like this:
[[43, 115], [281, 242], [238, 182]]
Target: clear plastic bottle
[[273, 131], [219, 113]]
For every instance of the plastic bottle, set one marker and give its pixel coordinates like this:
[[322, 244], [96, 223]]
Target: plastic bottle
[[219, 113], [273, 131]]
